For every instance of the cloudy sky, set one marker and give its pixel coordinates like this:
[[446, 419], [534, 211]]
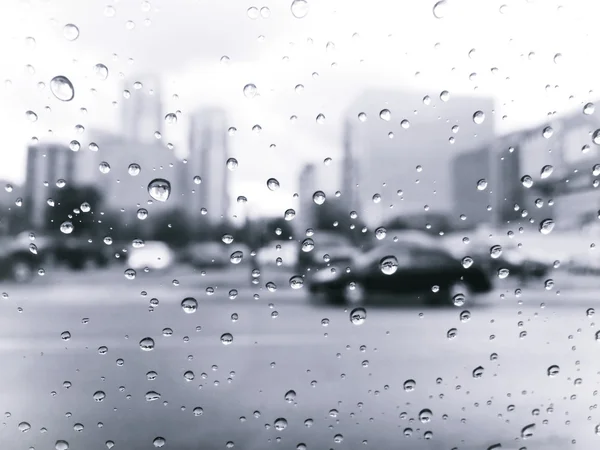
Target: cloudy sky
[[542, 54]]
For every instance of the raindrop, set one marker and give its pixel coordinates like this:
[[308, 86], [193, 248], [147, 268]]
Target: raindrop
[[362, 117], [467, 262], [272, 184], [159, 189], [439, 9], [385, 114], [308, 245], [32, 117], [101, 71], [478, 372], [547, 132], [296, 282], [189, 375], [299, 8], [405, 124], [388, 265], [589, 108], [358, 316], [61, 445], [159, 442], [151, 376], [546, 226], [66, 227], [380, 233], [232, 164], [444, 96], [134, 169], [250, 90], [24, 427], [478, 117], [198, 411], [409, 385], [290, 396], [142, 213], [319, 197], [527, 431], [236, 257], [226, 338], [289, 214], [147, 344], [62, 88], [280, 424], [70, 32], [451, 333], [425, 415], [495, 251], [171, 119], [99, 396], [465, 316], [338, 438], [189, 305], [595, 135], [553, 370], [546, 171], [104, 167], [527, 181], [320, 119], [503, 273], [482, 184], [152, 396]]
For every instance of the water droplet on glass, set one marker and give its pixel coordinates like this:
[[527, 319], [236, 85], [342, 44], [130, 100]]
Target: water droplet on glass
[[280, 424], [290, 396], [527, 431], [189, 305], [147, 344], [595, 136], [547, 132], [320, 119], [159, 189], [142, 213], [467, 262], [444, 96], [99, 396], [152, 396], [425, 415], [482, 184], [409, 385], [159, 442], [308, 245], [70, 32], [250, 90], [62, 88], [299, 8], [272, 184], [66, 227], [503, 273], [296, 282], [495, 251], [24, 427], [465, 316], [588, 109], [451, 333], [236, 257], [134, 169], [101, 71], [478, 372], [171, 119], [380, 233], [546, 226], [546, 171], [553, 371], [358, 316], [388, 265], [385, 114], [319, 197], [549, 284], [439, 9], [478, 117], [362, 117], [289, 214], [405, 124], [104, 167], [32, 117], [61, 445]]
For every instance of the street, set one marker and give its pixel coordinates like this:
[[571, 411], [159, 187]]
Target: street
[[336, 384]]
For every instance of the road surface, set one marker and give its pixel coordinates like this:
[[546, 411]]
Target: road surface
[[349, 382]]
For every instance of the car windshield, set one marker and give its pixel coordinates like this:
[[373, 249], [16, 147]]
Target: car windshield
[[299, 224]]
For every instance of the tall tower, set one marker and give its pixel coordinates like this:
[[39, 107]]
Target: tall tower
[[208, 152], [142, 113]]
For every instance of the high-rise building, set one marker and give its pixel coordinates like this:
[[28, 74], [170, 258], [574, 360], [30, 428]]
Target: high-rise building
[[46, 164], [142, 111], [399, 146], [208, 153]]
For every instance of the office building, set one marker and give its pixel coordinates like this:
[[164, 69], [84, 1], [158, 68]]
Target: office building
[[141, 109], [399, 147], [208, 153]]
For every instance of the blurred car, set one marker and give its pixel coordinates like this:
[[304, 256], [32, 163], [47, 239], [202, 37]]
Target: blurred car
[[206, 254], [154, 255], [329, 248], [78, 253], [286, 250], [402, 268], [21, 256]]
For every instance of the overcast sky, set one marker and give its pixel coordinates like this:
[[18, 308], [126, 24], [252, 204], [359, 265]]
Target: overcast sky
[[375, 43]]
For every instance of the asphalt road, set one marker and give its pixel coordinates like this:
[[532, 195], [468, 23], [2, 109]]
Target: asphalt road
[[348, 379]]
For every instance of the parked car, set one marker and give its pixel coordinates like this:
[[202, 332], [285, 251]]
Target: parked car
[[77, 252], [286, 250], [154, 255], [399, 269], [206, 254], [21, 256]]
